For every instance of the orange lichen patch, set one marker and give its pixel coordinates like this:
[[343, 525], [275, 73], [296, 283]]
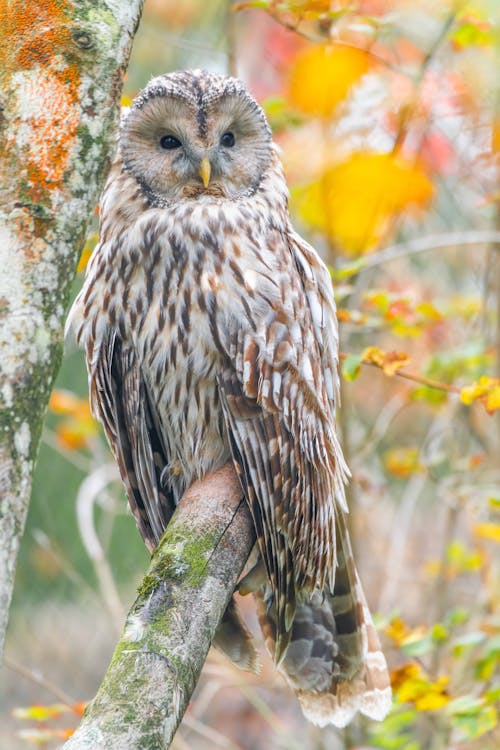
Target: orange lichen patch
[[38, 54], [39, 31], [48, 128]]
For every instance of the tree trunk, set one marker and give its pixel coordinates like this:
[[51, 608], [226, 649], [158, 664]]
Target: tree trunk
[[61, 72], [169, 629]]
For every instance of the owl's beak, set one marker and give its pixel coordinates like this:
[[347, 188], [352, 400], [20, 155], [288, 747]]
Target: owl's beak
[[204, 171]]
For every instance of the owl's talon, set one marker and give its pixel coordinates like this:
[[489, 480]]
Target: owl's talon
[[253, 580]]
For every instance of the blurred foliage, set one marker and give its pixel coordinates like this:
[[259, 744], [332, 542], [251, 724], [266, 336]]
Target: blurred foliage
[[388, 116]]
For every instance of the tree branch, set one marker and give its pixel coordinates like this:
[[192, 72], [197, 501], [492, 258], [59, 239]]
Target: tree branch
[[408, 375], [431, 242], [61, 71], [168, 632]]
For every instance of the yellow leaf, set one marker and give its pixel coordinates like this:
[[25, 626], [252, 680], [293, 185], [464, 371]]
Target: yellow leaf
[[409, 671], [40, 712], [493, 399], [356, 201], [431, 701], [323, 76], [424, 694], [428, 311], [490, 531], [87, 251], [84, 259], [389, 362], [486, 390]]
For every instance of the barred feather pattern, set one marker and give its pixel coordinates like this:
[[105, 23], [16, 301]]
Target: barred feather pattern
[[210, 335]]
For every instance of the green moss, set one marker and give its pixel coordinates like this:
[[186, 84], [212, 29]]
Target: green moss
[[180, 556]]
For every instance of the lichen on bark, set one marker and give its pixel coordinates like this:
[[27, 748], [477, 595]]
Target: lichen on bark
[[61, 69]]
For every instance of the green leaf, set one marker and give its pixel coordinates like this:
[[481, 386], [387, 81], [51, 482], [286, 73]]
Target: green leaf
[[351, 366], [465, 704], [456, 616], [469, 640], [474, 725], [439, 633], [396, 732], [279, 115], [493, 695], [419, 647], [345, 272]]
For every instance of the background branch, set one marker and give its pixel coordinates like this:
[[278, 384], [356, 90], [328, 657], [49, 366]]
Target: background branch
[[169, 630], [439, 241]]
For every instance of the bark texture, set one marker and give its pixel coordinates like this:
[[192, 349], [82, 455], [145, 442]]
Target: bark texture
[[167, 634], [61, 71]]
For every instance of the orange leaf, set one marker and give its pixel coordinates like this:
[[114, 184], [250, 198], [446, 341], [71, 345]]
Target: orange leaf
[[76, 434], [63, 402], [323, 76], [408, 671], [495, 136], [397, 630], [79, 707], [402, 462]]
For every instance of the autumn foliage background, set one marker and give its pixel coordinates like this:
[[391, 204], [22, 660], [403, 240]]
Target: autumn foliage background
[[388, 116]]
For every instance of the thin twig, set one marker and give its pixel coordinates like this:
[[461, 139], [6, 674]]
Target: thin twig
[[387, 413], [88, 492], [414, 377], [38, 679], [397, 540], [231, 41], [431, 242], [319, 39], [215, 738]]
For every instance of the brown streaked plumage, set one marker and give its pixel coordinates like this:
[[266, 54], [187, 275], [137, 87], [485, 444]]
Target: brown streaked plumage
[[210, 335]]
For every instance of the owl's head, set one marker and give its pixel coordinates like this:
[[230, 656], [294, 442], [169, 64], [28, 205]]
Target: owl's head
[[194, 133]]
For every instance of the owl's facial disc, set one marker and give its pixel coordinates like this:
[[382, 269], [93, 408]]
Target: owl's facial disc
[[178, 149]]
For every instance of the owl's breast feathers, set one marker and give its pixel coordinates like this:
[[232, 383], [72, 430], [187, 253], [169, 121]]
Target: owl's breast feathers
[[210, 333]]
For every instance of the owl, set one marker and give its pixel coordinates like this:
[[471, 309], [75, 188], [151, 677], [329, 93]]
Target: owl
[[210, 336]]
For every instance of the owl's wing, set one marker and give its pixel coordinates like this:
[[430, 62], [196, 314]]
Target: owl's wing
[[317, 285], [120, 400], [278, 392]]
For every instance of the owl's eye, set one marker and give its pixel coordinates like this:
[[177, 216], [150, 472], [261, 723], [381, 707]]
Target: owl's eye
[[169, 142], [227, 140]]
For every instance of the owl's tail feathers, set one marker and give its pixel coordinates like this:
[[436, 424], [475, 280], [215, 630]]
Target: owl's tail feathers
[[334, 661], [368, 690], [334, 670]]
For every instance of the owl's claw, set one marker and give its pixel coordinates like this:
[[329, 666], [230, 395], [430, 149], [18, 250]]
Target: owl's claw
[[253, 580]]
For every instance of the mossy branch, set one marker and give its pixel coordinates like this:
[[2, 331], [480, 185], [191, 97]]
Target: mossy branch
[[169, 630]]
